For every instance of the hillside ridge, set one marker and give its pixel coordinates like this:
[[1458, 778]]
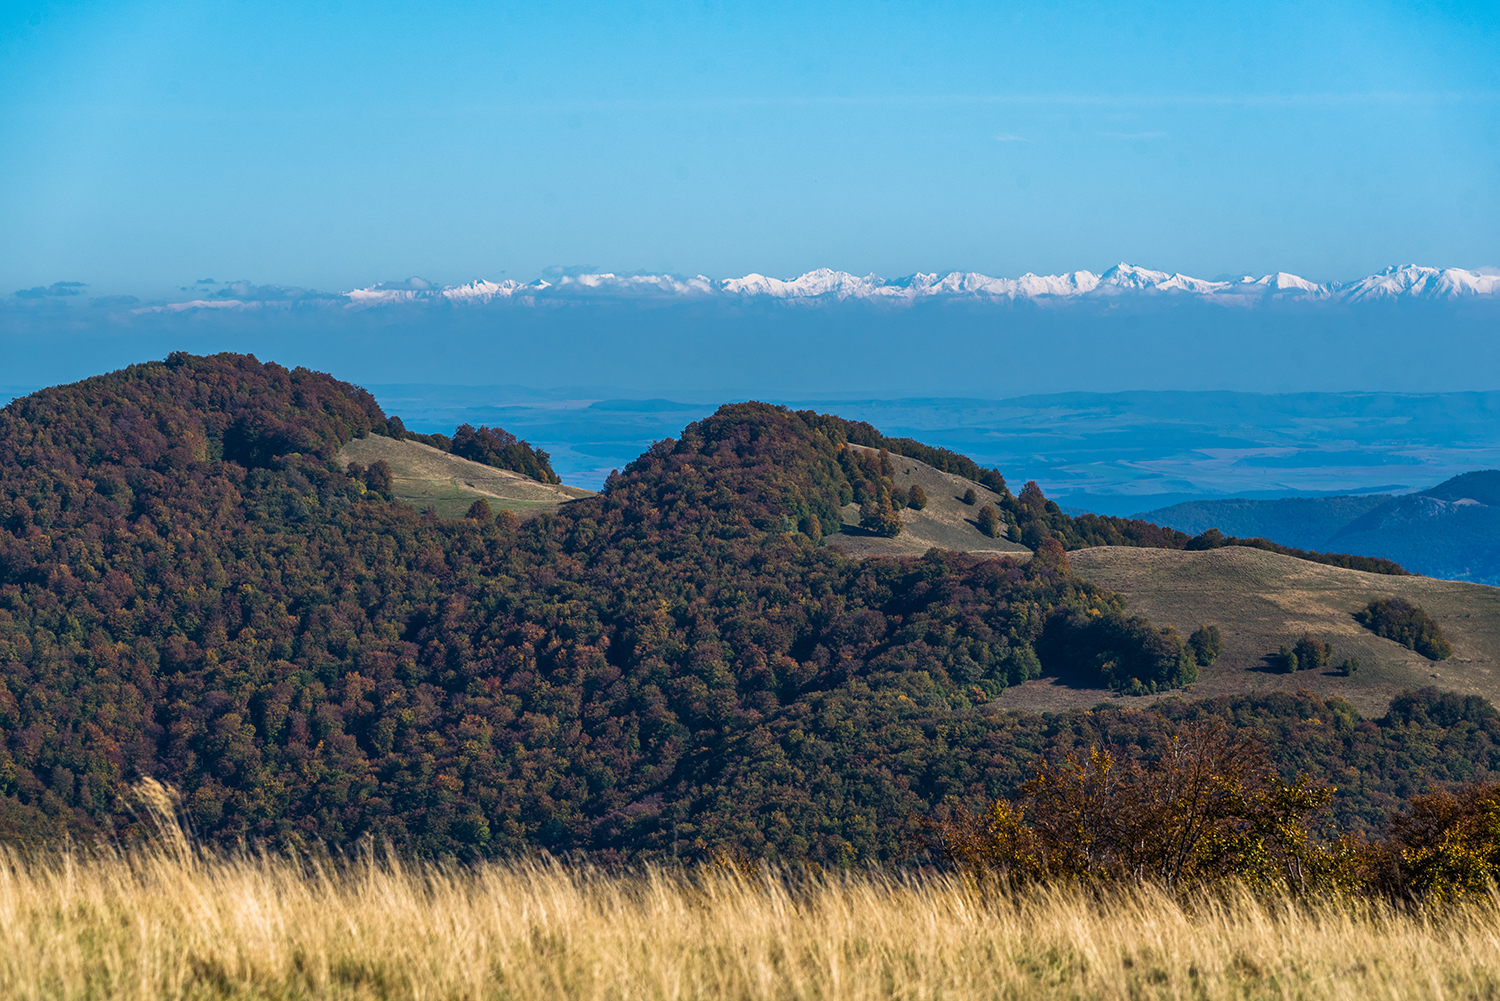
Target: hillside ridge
[[194, 588]]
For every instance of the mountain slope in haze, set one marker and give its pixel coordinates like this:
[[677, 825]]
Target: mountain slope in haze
[[1305, 522], [1450, 531]]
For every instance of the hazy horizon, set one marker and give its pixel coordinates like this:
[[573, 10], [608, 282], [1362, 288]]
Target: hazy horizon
[[155, 143], [208, 177]]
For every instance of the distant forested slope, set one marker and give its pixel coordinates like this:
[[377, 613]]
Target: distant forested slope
[[1305, 522], [192, 588], [1450, 531]]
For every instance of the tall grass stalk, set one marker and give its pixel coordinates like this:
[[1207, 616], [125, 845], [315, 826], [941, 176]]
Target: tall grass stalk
[[174, 924]]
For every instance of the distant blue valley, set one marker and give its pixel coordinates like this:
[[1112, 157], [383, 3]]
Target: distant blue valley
[[1113, 453]]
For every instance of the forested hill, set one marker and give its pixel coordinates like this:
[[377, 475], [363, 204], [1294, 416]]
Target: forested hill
[[177, 414], [191, 588]]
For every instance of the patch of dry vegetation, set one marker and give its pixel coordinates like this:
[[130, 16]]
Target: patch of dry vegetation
[[1262, 600], [944, 520], [173, 925], [424, 477]]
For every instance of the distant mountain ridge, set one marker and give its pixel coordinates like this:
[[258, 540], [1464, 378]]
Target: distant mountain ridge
[[826, 286], [1450, 531]]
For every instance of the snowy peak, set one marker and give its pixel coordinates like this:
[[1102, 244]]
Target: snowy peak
[[823, 282], [632, 286], [1412, 281], [826, 286], [1283, 282]]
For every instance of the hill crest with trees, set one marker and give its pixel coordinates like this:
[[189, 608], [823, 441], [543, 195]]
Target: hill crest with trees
[[192, 589]]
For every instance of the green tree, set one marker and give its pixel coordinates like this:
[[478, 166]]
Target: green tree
[[970, 497], [916, 497], [989, 521], [1308, 654], [1207, 644], [1406, 623], [379, 479], [1108, 648]]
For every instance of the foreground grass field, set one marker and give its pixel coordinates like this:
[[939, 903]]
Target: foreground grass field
[[176, 925]]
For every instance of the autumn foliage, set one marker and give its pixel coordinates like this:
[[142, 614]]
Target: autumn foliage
[[192, 589], [1210, 809]]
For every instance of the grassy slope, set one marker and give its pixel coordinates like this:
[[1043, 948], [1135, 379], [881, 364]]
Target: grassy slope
[[424, 476], [946, 521], [1260, 600]]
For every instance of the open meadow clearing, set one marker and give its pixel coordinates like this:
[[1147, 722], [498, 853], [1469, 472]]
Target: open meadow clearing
[[180, 925]]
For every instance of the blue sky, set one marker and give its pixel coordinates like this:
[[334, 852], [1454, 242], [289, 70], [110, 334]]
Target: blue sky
[[331, 145]]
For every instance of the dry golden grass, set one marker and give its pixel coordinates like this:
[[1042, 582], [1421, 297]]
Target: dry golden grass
[[424, 477], [1261, 600], [177, 925], [946, 522]]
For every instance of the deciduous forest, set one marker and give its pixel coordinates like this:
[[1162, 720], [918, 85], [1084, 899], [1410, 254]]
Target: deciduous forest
[[193, 590]]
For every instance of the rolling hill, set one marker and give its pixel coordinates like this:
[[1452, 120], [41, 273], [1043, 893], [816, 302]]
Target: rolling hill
[[1261, 600], [200, 584]]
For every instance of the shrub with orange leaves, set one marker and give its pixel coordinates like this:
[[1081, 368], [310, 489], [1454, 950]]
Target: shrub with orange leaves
[[1210, 810]]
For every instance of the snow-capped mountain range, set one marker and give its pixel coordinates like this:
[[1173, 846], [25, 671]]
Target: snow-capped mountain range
[[825, 286]]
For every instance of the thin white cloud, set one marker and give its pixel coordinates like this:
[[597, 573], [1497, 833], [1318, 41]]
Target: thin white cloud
[[1319, 100], [1006, 137], [1488, 269], [1134, 135], [653, 105]]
